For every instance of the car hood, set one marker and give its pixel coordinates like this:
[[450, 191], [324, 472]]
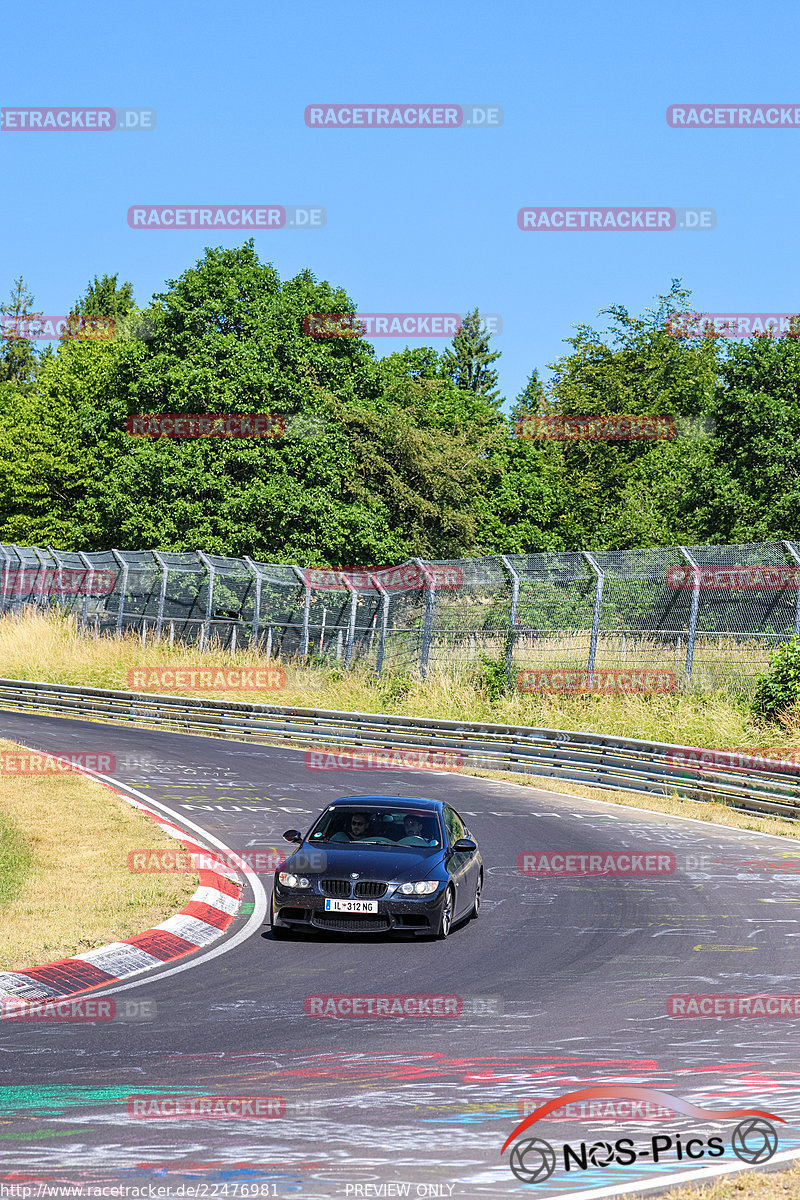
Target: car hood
[[373, 862]]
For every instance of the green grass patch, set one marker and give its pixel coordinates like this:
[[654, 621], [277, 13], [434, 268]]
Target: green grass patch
[[16, 860]]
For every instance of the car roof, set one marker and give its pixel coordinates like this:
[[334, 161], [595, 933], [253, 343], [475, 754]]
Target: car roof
[[390, 802]]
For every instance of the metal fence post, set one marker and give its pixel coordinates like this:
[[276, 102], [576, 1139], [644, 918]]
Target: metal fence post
[[89, 586], [121, 609], [163, 593], [351, 624], [253, 569], [209, 566], [6, 573], [301, 575], [385, 599], [427, 625], [512, 618], [690, 640], [796, 558], [60, 566], [42, 575], [598, 600]]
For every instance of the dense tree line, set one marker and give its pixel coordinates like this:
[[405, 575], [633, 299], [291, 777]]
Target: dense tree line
[[381, 458]]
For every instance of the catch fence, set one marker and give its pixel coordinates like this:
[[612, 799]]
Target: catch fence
[[706, 614]]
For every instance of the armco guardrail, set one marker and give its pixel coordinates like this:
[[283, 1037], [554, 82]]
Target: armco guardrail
[[588, 758]]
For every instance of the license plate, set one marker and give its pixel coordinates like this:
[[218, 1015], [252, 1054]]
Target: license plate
[[351, 906]]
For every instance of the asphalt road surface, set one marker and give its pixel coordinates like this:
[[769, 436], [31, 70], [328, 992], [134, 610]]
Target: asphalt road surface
[[563, 984]]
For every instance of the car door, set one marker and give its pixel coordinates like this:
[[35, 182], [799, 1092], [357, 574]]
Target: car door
[[458, 864]]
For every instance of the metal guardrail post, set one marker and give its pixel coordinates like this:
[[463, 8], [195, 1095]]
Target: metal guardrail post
[[796, 557], [301, 575], [209, 566], [162, 595], [384, 623], [89, 586], [253, 569], [122, 591], [692, 635], [512, 618], [427, 625], [598, 600]]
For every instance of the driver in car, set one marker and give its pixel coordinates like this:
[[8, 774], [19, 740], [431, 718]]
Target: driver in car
[[356, 828], [412, 823]]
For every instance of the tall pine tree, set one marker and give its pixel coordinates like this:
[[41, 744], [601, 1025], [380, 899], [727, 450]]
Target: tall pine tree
[[468, 364]]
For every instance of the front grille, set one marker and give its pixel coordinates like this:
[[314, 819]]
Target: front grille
[[335, 887], [369, 890], [347, 924]]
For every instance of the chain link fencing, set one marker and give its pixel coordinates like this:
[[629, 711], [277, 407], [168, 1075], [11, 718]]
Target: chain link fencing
[[708, 614]]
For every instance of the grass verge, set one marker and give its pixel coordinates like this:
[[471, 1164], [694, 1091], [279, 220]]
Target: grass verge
[[72, 890], [750, 1185], [49, 647]]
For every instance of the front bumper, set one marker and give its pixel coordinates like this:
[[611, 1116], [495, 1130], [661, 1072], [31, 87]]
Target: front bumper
[[305, 909]]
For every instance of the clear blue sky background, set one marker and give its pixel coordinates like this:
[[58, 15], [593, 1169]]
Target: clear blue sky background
[[417, 221]]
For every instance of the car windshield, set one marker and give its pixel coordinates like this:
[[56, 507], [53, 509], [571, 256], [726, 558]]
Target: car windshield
[[378, 826]]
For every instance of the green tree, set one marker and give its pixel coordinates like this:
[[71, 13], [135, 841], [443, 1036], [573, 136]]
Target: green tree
[[469, 361], [20, 324]]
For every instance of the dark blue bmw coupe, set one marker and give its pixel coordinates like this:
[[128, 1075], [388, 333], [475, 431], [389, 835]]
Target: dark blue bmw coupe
[[379, 864]]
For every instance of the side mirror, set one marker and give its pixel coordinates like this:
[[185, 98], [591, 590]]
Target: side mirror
[[293, 835], [464, 845]]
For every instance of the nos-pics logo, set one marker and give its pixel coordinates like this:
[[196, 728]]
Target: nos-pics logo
[[753, 1141]]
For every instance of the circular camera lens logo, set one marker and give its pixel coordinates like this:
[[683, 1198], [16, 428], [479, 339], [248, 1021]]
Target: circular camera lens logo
[[754, 1140], [601, 1154], [533, 1161]]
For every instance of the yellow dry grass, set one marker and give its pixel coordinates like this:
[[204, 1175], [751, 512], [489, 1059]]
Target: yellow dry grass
[[51, 648], [749, 1185], [78, 892]]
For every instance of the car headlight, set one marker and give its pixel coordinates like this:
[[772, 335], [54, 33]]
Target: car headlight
[[293, 881], [425, 887]]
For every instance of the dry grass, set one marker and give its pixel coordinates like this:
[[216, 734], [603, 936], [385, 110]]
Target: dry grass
[[49, 647], [750, 1185], [77, 892]]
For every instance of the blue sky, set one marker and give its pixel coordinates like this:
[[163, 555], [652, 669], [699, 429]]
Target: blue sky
[[417, 221]]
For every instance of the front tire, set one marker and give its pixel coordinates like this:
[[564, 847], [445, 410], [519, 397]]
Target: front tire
[[278, 932], [446, 917]]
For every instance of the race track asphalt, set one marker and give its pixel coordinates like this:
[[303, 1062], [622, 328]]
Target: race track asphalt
[[564, 981]]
